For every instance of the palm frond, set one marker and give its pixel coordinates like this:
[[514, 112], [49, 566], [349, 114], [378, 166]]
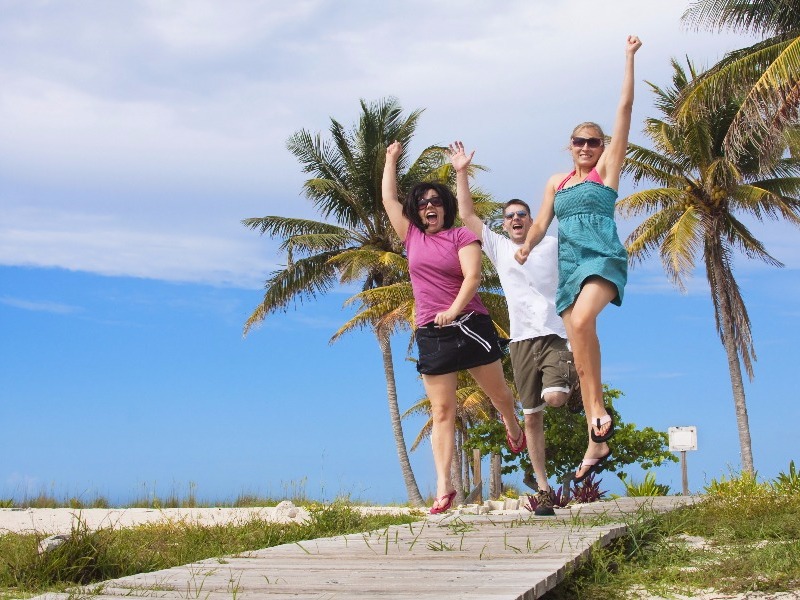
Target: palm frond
[[305, 279], [656, 199], [728, 303], [642, 163], [739, 236], [745, 16], [769, 198]]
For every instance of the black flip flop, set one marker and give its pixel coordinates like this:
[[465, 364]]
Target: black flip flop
[[595, 467], [599, 422]]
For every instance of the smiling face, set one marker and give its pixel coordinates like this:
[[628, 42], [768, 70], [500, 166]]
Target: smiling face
[[520, 222], [581, 142], [431, 211]]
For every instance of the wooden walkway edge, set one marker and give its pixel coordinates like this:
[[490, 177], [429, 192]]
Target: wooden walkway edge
[[502, 555]]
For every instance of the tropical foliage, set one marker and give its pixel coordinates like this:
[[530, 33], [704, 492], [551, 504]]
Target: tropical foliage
[[699, 209], [764, 76], [565, 441]]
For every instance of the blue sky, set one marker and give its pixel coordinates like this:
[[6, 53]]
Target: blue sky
[[137, 136]]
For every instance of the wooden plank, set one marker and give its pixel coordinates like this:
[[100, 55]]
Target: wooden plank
[[508, 556]]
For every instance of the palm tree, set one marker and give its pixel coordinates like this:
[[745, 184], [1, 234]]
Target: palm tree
[[767, 73], [697, 211], [359, 246]]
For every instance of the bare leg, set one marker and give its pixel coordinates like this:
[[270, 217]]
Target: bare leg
[[534, 432], [441, 391], [492, 381], [580, 320]]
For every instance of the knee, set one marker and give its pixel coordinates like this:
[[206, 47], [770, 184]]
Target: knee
[[443, 414], [582, 324], [555, 399], [533, 419]]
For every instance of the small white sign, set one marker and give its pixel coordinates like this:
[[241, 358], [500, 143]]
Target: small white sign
[[682, 438]]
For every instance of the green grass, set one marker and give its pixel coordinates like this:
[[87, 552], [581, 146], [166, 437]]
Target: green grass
[[744, 536], [93, 556]]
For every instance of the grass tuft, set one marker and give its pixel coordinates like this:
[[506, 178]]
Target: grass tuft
[[743, 537], [91, 556]]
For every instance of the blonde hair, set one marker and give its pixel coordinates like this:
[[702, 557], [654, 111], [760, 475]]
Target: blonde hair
[[589, 125]]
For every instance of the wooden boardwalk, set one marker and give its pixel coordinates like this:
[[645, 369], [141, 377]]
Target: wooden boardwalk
[[504, 555]]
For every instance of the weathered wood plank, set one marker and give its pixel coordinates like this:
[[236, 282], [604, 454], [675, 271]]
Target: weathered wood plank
[[508, 556]]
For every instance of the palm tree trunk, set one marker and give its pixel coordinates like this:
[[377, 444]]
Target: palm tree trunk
[[465, 462], [412, 489], [455, 469], [737, 385], [722, 283], [495, 478]]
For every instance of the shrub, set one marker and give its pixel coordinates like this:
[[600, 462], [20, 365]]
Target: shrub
[[787, 483], [588, 490], [648, 487]]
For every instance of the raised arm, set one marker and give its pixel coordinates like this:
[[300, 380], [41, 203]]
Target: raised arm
[[394, 210], [610, 163], [470, 259], [466, 207], [543, 219]]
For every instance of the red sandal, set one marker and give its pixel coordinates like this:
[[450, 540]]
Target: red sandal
[[515, 448], [445, 502]]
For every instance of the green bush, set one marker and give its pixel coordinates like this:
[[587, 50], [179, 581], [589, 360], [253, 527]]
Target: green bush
[[787, 483], [648, 487]]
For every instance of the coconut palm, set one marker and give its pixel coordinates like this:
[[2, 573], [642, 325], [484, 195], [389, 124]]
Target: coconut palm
[[766, 73], [697, 212], [355, 243]]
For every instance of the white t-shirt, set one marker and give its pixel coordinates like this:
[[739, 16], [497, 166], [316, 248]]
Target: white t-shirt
[[530, 289]]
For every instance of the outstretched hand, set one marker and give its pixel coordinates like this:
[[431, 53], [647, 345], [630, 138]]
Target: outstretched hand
[[458, 157], [633, 44], [393, 150]]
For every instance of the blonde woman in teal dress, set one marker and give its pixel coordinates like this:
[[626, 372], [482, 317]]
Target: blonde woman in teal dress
[[592, 262]]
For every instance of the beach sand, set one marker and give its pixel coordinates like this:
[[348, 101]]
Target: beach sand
[[54, 521]]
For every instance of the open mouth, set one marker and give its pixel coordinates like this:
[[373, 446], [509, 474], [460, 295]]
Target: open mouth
[[431, 217]]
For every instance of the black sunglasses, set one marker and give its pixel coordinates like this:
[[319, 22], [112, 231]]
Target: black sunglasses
[[517, 213], [423, 202], [592, 142]]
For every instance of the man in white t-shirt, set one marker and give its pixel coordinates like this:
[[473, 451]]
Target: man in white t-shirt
[[544, 372]]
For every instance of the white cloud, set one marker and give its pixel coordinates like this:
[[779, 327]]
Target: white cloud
[[102, 245], [136, 135], [49, 307]]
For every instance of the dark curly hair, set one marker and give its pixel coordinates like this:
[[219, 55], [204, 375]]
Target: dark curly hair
[[411, 212]]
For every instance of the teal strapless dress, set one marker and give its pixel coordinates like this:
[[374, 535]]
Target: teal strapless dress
[[588, 243]]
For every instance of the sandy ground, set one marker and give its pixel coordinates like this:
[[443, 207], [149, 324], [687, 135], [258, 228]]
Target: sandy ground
[[53, 521]]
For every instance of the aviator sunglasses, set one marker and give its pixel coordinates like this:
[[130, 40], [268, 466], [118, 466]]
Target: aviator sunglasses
[[592, 142], [517, 213], [423, 202]]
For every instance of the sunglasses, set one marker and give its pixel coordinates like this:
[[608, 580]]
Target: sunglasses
[[517, 213], [592, 142], [423, 202]]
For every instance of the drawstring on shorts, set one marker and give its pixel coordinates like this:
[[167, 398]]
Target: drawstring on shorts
[[461, 323]]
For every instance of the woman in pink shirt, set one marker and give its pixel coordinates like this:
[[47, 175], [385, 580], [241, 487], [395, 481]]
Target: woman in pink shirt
[[453, 328]]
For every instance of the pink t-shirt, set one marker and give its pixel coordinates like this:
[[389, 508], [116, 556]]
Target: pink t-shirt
[[435, 270]]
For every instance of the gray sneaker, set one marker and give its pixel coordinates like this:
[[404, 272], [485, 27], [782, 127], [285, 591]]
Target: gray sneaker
[[543, 502]]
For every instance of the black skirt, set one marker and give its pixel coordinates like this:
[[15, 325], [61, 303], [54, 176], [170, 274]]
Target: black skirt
[[470, 341]]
